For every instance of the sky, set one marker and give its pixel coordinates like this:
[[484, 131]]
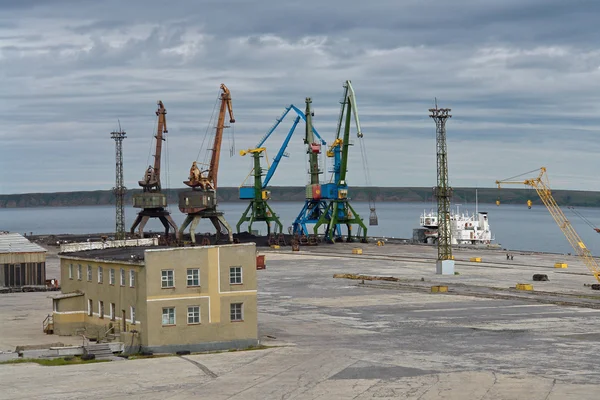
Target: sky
[[522, 80]]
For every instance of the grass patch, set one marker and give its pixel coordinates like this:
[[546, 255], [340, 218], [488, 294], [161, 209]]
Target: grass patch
[[52, 362]]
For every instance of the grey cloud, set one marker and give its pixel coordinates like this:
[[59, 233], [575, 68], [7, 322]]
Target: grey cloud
[[520, 79]]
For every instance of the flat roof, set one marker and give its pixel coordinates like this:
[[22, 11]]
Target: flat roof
[[131, 255], [12, 242]]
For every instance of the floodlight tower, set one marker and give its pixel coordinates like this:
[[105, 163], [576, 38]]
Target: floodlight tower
[[443, 192], [119, 190]]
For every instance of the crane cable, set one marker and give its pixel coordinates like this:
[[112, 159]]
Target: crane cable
[[363, 153], [516, 176], [231, 138], [587, 221], [152, 141], [208, 132], [167, 174]]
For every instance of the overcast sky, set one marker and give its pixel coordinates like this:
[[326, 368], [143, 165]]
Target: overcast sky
[[521, 77]]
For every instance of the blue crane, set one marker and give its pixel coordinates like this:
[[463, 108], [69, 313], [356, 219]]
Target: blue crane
[[315, 206], [258, 194]]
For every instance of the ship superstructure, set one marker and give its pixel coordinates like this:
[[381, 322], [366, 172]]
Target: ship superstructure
[[465, 228]]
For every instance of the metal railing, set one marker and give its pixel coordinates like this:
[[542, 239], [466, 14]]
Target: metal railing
[[49, 320]]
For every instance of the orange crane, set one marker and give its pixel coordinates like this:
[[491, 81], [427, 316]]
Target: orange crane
[[542, 187], [152, 200], [201, 201]]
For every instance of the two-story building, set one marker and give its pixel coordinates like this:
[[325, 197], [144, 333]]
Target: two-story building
[[162, 299]]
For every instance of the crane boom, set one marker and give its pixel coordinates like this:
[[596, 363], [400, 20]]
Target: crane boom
[[201, 202], [213, 171], [280, 154], [151, 181], [542, 187], [152, 201], [281, 118]]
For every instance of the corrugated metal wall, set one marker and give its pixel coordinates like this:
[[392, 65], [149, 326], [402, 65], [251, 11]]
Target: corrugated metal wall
[[24, 274]]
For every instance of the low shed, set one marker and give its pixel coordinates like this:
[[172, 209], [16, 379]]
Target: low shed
[[22, 263]]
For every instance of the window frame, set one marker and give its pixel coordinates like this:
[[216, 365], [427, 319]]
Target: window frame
[[193, 315], [79, 272], [131, 278], [233, 275], [90, 307], [122, 277], [197, 271], [111, 277], [101, 309], [70, 271], [113, 312], [89, 273], [132, 314], [168, 316], [163, 280], [231, 312], [100, 274]]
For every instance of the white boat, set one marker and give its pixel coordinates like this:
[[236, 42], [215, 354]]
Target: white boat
[[465, 228]]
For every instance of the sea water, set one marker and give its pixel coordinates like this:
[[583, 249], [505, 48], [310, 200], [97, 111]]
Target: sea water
[[514, 227]]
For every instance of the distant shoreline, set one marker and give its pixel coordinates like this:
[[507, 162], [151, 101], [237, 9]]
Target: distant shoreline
[[574, 198]]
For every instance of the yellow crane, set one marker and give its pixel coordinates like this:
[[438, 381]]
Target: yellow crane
[[542, 187]]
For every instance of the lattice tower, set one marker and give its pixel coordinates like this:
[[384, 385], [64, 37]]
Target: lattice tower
[[119, 190], [443, 191]]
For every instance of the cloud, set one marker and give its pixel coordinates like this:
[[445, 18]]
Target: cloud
[[521, 79]]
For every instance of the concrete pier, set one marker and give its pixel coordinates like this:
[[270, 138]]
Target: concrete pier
[[337, 338]]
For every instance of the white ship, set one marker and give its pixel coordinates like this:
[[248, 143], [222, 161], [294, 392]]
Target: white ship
[[465, 228]]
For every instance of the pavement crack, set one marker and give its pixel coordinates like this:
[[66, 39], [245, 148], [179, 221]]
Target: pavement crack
[[437, 380], [202, 367], [551, 389], [493, 384]]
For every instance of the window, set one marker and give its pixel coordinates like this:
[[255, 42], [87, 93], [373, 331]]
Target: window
[[193, 315], [90, 307], [131, 278], [235, 275], [111, 278], [168, 316], [89, 273], [122, 277], [101, 309], [168, 278], [113, 312], [79, 271], [132, 314], [236, 312], [193, 277], [100, 275], [70, 271]]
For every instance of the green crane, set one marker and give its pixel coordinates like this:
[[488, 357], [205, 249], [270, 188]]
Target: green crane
[[339, 210], [258, 208]]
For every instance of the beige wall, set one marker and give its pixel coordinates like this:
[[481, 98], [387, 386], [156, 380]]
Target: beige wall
[[213, 296], [68, 315], [123, 297]]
